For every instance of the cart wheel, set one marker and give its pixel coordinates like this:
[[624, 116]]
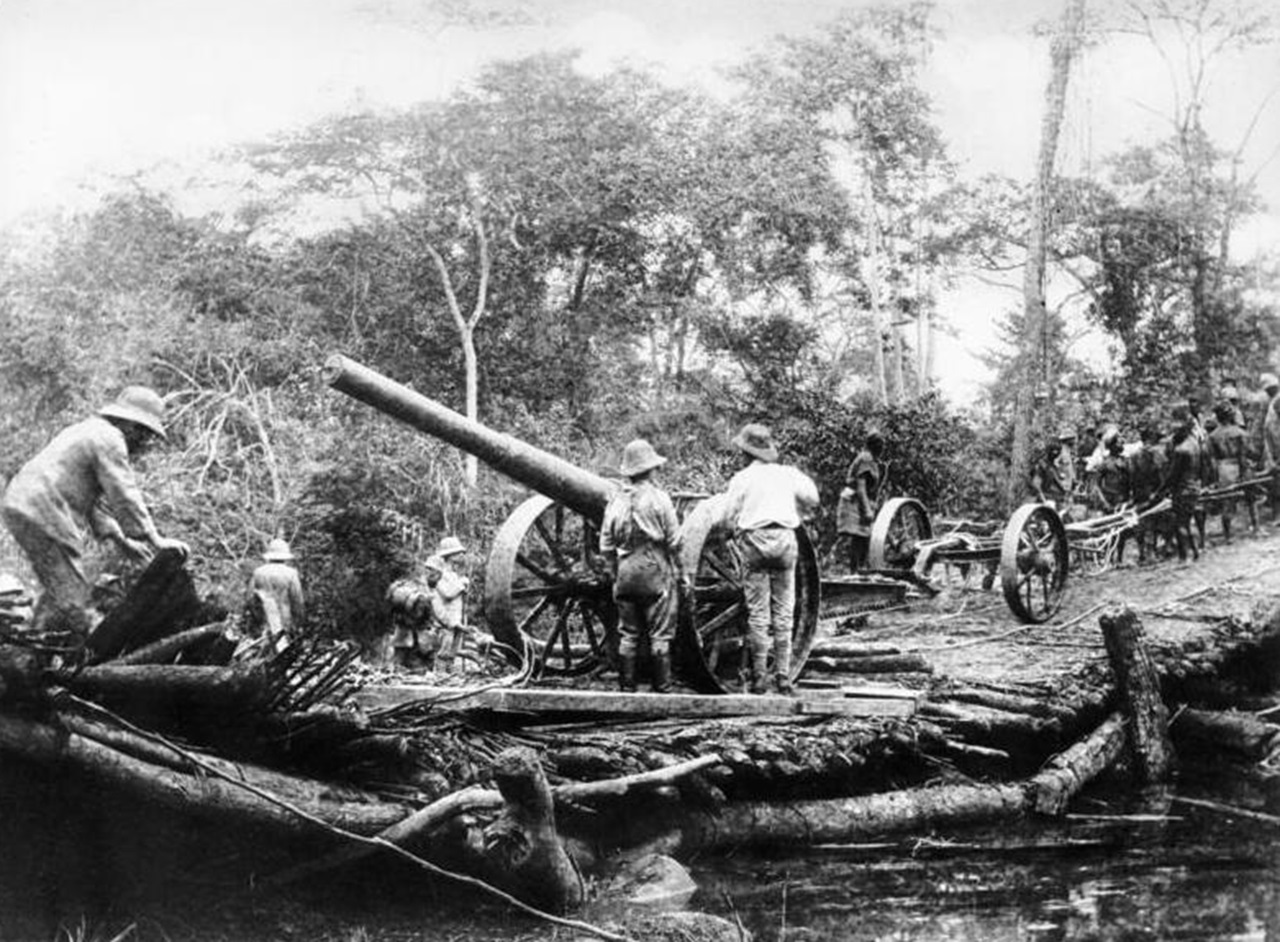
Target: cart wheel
[[899, 527], [712, 633], [549, 591], [1033, 562]]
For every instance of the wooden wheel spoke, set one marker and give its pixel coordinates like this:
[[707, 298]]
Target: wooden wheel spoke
[[589, 617], [721, 568], [725, 617], [552, 543], [558, 637], [540, 592], [551, 578], [542, 596], [534, 614]]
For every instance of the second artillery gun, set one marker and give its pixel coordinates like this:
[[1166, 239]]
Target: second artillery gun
[[548, 590]]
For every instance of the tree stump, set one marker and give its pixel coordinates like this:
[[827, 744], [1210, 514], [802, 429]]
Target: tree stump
[[1139, 686], [522, 847]]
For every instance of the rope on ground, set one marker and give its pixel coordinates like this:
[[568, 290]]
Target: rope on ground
[[1203, 590], [424, 864], [1005, 634], [1229, 809]]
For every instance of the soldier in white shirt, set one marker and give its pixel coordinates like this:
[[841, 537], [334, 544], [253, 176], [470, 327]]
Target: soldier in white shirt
[[767, 502]]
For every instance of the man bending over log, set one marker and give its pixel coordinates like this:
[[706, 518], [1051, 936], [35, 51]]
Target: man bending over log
[[84, 477]]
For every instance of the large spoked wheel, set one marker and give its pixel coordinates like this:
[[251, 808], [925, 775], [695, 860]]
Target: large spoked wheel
[[712, 632], [898, 529], [549, 591], [1033, 562]]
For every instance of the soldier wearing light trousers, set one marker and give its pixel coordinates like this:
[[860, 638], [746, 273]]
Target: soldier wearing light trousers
[[767, 502]]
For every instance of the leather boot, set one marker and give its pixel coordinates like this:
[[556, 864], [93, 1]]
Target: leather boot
[[627, 672], [661, 673], [760, 674]]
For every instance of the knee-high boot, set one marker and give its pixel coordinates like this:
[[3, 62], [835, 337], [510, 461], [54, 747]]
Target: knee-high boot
[[627, 672], [661, 672]]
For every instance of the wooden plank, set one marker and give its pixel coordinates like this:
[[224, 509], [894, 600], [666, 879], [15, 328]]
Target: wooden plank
[[879, 691], [536, 700]]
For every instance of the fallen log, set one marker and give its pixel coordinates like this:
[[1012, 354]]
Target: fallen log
[[228, 688], [166, 649], [1139, 686], [1010, 703], [1028, 739], [759, 824], [1069, 771], [836, 647], [1242, 733], [414, 828], [200, 793], [843, 820], [871, 664]]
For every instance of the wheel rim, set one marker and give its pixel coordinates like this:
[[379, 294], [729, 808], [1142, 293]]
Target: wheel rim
[[713, 624], [548, 589], [897, 530], [1034, 562]]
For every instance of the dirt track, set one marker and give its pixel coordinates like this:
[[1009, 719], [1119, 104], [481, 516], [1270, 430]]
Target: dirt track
[[966, 633]]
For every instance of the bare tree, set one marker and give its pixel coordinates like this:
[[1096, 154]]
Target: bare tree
[[1066, 42]]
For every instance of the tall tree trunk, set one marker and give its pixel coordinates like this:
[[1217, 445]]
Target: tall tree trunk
[[466, 323], [472, 374], [1031, 348], [872, 276], [929, 348]]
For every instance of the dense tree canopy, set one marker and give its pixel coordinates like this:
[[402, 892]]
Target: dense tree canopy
[[578, 259]]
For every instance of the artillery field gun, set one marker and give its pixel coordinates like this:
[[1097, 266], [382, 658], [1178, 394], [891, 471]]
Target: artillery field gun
[[548, 591]]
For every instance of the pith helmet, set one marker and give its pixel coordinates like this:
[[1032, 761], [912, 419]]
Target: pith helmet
[[638, 457], [140, 404], [278, 551], [449, 546], [757, 441], [1268, 380], [1066, 434]]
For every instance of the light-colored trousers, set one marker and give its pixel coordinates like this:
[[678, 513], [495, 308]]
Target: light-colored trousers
[[65, 602], [769, 584]]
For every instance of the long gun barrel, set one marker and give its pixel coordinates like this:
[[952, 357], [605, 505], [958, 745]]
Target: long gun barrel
[[581, 490]]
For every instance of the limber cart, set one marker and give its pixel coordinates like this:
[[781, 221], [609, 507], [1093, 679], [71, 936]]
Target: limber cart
[[1028, 554]]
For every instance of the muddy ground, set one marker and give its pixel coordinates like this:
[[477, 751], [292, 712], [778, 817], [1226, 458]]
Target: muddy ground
[[957, 631]]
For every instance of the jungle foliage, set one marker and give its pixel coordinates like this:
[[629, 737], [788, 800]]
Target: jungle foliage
[[580, 260]]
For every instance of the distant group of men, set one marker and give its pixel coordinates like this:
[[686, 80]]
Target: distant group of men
[[1194, 451]]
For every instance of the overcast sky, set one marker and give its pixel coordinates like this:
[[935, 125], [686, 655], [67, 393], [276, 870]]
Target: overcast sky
[[116, 85]]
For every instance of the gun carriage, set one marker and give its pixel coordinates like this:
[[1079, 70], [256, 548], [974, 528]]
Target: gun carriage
[[1029, 554], [548, 590]]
